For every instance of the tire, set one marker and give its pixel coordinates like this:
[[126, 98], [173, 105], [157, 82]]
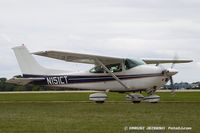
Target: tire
[[136, 101], [100, 102]]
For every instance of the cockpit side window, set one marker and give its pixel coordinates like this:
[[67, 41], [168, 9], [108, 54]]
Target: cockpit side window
[[115, 67], [112, 67]]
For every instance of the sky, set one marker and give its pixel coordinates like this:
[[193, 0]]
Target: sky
[[119, 28]]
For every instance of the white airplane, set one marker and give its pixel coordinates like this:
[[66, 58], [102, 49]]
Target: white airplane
[[108, 74]]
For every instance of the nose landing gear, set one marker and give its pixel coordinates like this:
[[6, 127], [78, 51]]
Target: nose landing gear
[[152, 99], [137, 98]]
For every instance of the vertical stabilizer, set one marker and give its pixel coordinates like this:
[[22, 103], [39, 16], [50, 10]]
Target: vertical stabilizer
[[28, 64]]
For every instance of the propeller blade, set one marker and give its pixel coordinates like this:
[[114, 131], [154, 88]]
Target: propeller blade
[[174, 58], [172, 85], [171, 82]]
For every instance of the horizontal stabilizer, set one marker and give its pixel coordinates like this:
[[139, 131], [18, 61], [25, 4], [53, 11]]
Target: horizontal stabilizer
[[23, 81]]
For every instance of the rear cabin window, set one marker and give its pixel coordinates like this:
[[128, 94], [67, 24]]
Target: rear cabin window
[[97, 69]]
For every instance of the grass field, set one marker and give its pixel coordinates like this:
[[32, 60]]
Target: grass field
[[73, 113]]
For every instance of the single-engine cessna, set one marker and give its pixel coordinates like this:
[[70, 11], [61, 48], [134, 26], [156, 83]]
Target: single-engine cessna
[[108, 74]]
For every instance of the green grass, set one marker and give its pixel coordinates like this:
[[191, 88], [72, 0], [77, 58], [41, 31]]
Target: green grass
[[36, 113], [165, 97]]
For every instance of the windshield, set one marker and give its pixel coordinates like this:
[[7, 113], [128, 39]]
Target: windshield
[[130, 63]]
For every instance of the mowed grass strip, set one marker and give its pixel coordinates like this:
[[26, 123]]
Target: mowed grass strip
[[165, 97], [94, 118], [36, 113]]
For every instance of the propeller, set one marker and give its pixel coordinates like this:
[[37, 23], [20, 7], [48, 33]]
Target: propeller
[[170, 72], [171, 78]]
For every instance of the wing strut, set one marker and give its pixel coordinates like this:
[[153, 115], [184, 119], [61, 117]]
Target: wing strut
[[113, 75]]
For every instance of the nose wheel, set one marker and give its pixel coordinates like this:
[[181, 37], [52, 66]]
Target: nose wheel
[[152, 99]]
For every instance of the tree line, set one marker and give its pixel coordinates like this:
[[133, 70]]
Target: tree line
[[12, 87]]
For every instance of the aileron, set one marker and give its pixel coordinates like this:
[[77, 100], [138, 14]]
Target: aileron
[[163, 61]]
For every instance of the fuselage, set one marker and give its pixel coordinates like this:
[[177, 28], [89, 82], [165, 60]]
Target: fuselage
[[140, 77], [108, 73]]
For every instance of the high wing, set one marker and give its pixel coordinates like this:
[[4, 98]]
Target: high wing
[[92, 59], [162, 61], [79, 58]]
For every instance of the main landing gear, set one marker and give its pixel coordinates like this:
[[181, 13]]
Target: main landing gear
[[101, 97]]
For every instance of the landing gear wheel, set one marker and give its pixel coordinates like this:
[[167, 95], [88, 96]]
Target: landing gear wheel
[[99, 97], [136, 102], [100, 102], [153, 102]]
